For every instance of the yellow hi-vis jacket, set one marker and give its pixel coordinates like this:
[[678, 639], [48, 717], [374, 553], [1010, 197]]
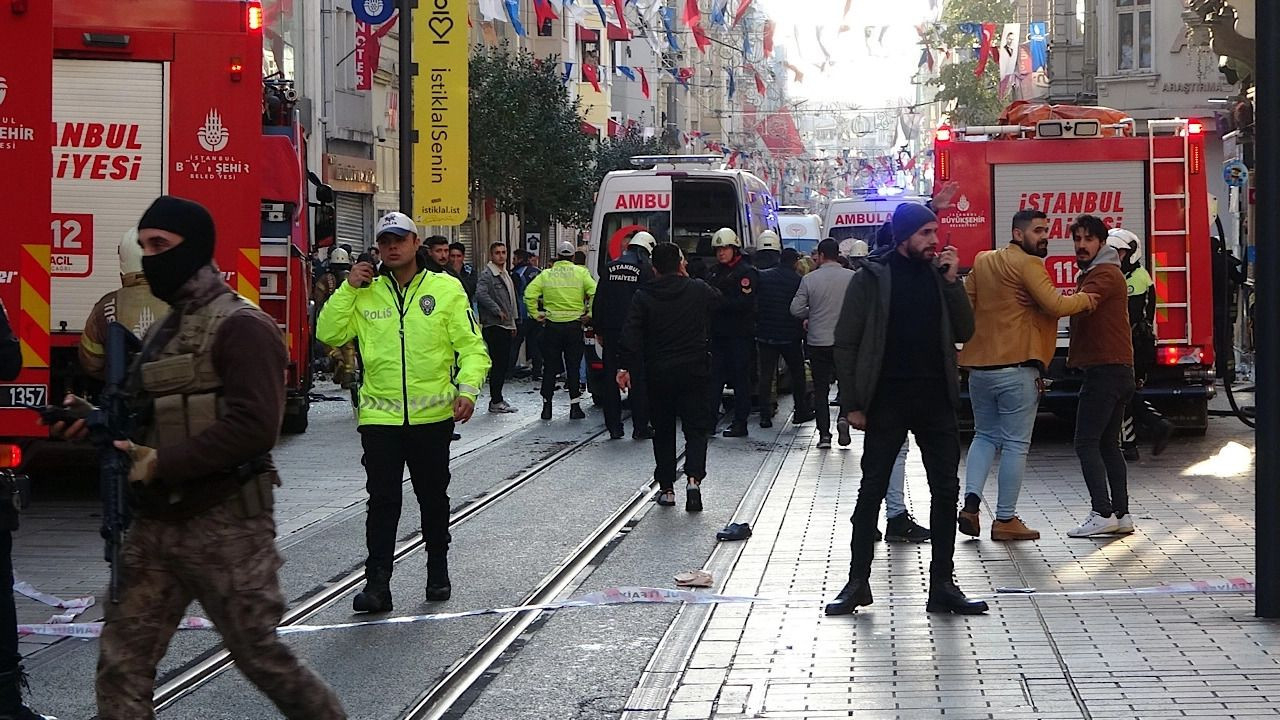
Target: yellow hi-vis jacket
[[566, 291], [408, 338]]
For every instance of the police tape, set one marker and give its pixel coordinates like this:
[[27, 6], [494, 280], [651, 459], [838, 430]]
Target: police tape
[[651, 595], [74, 606]]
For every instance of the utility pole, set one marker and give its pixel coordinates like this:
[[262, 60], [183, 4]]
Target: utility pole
[[1267, 313], [408, 135]]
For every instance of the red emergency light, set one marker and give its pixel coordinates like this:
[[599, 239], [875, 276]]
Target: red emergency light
[[942, 134], [10, 456], [1179, 355], [253, 16], [1195, 127], [237, 69]]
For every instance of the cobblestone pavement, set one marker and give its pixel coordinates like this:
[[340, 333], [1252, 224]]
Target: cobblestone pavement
[[1088, 657], [58, 549]]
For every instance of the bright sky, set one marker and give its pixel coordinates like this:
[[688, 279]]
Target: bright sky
[[855, 76]]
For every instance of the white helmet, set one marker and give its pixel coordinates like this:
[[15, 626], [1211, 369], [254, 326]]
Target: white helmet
[[339, 257], [859, 249], [1122, 239], [725, 237], [130, 253], [768, 240], [644, 240]]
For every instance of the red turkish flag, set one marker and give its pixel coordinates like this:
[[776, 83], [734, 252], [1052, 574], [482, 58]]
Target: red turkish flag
[[644, 83], [760, 86], [693, 18], [985, 52]]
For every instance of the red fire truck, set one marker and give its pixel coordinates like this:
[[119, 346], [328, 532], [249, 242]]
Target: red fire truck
[[1151, 183], [130, 100]]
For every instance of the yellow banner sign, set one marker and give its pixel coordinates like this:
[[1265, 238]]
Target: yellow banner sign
[[441, 50]]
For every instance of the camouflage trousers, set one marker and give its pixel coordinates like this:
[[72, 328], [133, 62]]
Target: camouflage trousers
[[229, 564]]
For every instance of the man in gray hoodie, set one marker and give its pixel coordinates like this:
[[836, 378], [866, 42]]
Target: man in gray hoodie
[[496, 298], [818, 301]]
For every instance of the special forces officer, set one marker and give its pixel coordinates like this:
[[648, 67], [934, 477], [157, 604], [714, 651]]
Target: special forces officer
[[133, 306], [566, 291], [609, 313], [411, 322], [209, 390], [733, 328]]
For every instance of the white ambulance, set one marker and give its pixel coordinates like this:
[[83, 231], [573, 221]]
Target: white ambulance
[[682, 199], [860, 216], [799, 228]]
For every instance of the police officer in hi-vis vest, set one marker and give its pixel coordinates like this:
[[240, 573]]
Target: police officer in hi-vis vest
[[208, 389], [411, 322]]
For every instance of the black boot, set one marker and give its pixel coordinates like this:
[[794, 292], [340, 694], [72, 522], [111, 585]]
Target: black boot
[[855, 594], [946, 597], [376, 596], [575, 411], [736, 430], [11, 706], [438, 585], [546, 409]]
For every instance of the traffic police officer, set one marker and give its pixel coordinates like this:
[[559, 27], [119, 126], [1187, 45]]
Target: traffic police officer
[[208, 385], [566, 291], [133, 306], [732, 327], [411, 323], [622, 278]]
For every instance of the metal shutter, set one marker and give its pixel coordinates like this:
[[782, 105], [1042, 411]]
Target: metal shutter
[[352, 223], [124, 100]]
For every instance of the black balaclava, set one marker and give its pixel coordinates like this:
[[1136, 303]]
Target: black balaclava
[[168, 271]]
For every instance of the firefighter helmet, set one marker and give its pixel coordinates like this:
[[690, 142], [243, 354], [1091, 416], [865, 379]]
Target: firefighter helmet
[[859, 249], [768, 240], [339, 257], [130, 253], [725, 237], [642, 239], [1122, 239]]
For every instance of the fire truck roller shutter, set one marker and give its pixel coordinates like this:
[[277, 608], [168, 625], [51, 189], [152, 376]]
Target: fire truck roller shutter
[[1113, 191], [108, 165], [352, 219]]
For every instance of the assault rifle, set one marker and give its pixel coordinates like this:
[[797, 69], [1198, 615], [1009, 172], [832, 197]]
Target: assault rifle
[[111, 420]]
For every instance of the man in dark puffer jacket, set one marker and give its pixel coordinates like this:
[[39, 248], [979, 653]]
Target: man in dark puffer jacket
[[778, 333]]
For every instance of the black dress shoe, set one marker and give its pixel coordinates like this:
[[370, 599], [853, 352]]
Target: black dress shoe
[[735, 430], [766, 422], [945, 597], [644, 433], [615, 434], [855, 594]]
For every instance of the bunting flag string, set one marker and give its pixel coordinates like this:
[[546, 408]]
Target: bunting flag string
[[622, 18], [544, 12], [626, 72], [668, 15], [644, 83], [768, 37], [733, 84], [743, 6], [491, 10], [760, 86], [568, 72], [604, 19], [719, 12]]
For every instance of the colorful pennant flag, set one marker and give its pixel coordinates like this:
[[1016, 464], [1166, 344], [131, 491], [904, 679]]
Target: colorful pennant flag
[[622, 18], [668, 23], [733, 83], [985, 51], [719, 12], [568, 72], [743, 6], [768, 37], [626, 72], [513, 13], [760, 86], [693, 18], [592, 74], [604, 19], [644, 83], [544, 12]]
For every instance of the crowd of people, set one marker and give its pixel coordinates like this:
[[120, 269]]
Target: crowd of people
[[425, 331]]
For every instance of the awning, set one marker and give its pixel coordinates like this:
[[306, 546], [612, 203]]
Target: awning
[[615, 128], [586, 34], [589, 129], [616, 33]]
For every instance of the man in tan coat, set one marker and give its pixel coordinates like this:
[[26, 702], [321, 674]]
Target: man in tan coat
[[1011, 347]]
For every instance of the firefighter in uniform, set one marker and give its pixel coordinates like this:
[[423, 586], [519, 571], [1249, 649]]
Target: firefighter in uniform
[[411, 323], [768, 251], [207, 387], [343, 356], [1142, 306], [133, 306], [733, 328], [609, 313], [566, 291]]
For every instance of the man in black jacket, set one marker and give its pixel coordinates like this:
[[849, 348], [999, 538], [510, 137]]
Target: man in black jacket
[[896, 360], [733, 327], [665, 337], [778, 333], [617, 286]]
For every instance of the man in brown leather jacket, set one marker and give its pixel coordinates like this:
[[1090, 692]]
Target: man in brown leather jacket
[[209, 381]]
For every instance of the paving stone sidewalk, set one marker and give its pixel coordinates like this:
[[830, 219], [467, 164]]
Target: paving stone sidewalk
[[1088, 657]]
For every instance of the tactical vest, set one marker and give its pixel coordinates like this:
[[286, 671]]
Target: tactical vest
[[185, 394]]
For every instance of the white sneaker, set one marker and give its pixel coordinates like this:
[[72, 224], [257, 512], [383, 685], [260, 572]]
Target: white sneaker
[[501, 407], [1096, 524], [842, 432], [1125, 525]]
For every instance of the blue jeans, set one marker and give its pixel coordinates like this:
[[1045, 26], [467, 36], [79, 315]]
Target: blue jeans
[[895, 500], [1004, 414]]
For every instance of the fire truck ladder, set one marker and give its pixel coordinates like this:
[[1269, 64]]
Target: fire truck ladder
[[1170, 274]]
